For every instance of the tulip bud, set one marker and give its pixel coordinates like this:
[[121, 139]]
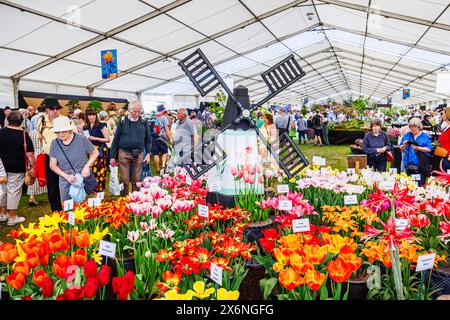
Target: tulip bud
[[233, 171], [259, 169], [261, 179], [139, 184]]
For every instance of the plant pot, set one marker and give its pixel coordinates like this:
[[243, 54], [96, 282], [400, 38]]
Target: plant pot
[[254, 231], [358, 289], [128, 265], [440, 281]]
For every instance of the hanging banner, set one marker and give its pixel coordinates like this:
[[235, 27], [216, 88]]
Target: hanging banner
[[109, 64], [389, 100], [305, 100], [406, 93]]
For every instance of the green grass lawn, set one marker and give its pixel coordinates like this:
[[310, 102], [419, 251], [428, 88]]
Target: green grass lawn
[[336, 157]]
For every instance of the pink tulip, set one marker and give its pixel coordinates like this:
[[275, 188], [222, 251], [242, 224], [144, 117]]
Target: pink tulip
[[268, 173], [248, 150], [134, 196], [233, 171], [251, 169], [156, 211], [251, 180], [259, 169], [261, 179], [139, 184], [241, 173]]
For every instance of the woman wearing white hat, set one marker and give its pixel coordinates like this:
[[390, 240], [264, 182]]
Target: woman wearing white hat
[[70, 154]]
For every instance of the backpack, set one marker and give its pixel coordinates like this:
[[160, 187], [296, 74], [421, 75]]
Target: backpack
[[155, 127], [316, 121]]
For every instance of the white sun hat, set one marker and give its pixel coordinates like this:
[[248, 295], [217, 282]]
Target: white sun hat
[[62, 124]]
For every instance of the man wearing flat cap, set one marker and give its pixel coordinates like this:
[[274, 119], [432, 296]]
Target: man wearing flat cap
[[46, 135]]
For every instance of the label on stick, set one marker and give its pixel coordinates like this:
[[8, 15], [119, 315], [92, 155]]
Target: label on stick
[[393, 170], [318, 161], [107, 249], [285, 205], [351, 171], [68, 205], [216, 274], [350, 199], [203, 211], [301, 225], [215, 186], [425, 262], [283, 188], [401, 224], [71, 219]]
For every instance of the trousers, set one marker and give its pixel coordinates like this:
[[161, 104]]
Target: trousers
[[130, 169]]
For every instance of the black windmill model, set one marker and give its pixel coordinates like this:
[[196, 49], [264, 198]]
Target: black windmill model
[[238, 114]]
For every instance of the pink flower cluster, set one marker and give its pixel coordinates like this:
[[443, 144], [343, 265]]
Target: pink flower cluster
[[300, 206]]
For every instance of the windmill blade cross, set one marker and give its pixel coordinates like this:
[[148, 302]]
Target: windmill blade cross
[[281, 76]]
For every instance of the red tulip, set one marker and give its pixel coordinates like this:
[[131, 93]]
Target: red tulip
[[27, 298], [39, 277], [60, 297], [32, 259], [91, 286], [90, 269], [129, 277], [74, 293], [47, 288], [104, 275]]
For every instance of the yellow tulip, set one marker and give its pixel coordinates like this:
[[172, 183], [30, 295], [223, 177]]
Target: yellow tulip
[[223, 294], [199, 290]]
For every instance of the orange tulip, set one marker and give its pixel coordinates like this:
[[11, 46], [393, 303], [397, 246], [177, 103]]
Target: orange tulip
[[82, 239], [16, 280], [315, 254], [339, 270], [57, 242], [8, 252], [352, 260], [33, 259], [79, 257], [290, 279], [314, 279], [60, 265], [39, 276], [292, 242], [22, 267], [300, 264]]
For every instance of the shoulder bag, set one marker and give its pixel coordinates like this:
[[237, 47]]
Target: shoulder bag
[[29, 174], [90, 183], [389, 155]]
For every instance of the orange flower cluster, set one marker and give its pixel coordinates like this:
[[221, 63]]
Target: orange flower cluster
[[305, 259], [114, 212], [235, 218], [348, 220]]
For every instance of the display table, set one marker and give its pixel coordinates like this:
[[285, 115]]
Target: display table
[[344, 137]]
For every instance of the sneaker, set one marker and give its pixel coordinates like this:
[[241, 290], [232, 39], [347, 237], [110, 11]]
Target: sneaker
[[13, 221], [3, 217]]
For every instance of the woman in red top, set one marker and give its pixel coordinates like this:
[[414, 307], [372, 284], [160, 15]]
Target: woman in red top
[[444, 138]]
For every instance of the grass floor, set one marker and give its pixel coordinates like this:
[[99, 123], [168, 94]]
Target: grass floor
[[336, 157]]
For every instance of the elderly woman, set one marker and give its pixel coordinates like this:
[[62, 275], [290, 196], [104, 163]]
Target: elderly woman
[[375, 145], [70, 154], [16, 161], [417, 148]]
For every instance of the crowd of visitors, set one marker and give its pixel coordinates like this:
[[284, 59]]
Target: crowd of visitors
[[74, 152]]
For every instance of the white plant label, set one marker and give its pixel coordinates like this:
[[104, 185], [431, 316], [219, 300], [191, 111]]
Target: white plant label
[[350, 199], [100, 195], [448, 171], [107, 249], [94, 202], [393, 170], [301, 225], [215, 186], [351, 171], [401, 224], [203, 211], [86, 133], [318, 161], [68, 205], [188, 180], [283, 188], [216, 274], [71, 218], [121, 187], [389, 185], [415, 177], [285, 205], [425, 262]]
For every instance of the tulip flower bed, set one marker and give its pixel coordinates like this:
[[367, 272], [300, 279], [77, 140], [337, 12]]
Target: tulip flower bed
[[172, 248]]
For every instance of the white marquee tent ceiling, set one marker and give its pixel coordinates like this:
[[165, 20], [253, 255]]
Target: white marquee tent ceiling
[[360, 47]]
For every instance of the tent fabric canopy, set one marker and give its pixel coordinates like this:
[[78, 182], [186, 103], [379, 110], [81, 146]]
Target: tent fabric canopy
[[347, 47]]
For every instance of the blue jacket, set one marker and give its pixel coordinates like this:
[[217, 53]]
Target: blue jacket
[[423, 140]]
